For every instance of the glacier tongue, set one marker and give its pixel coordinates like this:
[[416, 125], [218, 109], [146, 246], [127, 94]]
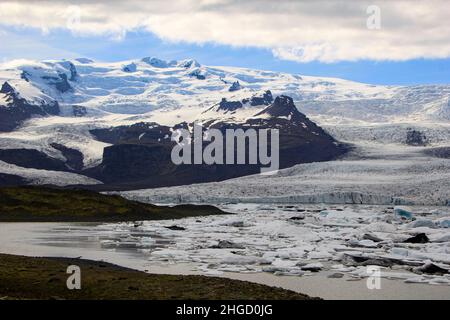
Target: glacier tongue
[[371, 174]]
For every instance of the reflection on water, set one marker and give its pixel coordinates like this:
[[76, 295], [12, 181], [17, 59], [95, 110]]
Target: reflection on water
[[109, 237]]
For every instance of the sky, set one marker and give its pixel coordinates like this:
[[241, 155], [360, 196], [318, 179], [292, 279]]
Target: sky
[[379, 42]]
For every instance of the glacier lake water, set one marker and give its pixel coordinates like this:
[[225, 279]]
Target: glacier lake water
[[321, 250]]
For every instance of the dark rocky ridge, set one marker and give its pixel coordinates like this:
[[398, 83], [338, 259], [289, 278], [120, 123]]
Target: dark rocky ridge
[[257, 100], [74, 158], [283, 106], [79, 111], [140, 156], [61, 83], [264, 99], [18, 109], [31, 158]]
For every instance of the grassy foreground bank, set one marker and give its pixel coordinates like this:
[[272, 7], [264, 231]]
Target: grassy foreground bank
[[41, 204], [45, 278]]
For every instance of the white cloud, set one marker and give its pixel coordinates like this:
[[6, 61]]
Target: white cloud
[[302, 31]]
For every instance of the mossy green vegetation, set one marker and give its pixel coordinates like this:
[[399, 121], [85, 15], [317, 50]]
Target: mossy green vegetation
[[42, 204], [45, 278]]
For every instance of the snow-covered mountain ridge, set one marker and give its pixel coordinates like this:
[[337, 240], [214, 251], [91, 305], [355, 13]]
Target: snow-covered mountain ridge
[[51, 108], [140, 87]]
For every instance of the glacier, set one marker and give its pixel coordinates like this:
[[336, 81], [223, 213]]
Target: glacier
[[375, 119]]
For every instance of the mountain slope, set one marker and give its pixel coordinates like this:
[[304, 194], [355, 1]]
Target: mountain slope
[[141, 86], [140, 155], [57, 110]]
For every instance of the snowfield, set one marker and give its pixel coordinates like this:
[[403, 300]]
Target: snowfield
[[142, 86]]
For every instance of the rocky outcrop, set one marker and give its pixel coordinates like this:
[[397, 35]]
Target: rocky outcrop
[[155, 62], [415, 138], [229, 105], [31, 158], [263, 99], [141, 154], [198, 73], [258, 100], [129, 68], [74, 158], [235, 86], [283, 106], [18, 109], [79, 111], [61, 82]]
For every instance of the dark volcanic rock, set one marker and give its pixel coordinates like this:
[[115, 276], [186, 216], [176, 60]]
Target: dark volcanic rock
[[229, 105], [312, 268], [129, 67], [369, 236], [140, 155], [71, 68], [60, 82], [358, 260], [176, 228], [25, 76], [256, 100], [431, 268], [265, 99], [418, 238], [7, 89], [73, 72], [197, 74], [283, 106], [63, 85], [415, 138], [235, 86], [74, 158], [133, 162], [378, 262], [30, 158], [18, 109], [225, 244], [79, 111]]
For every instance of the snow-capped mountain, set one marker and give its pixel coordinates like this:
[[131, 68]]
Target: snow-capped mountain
[[77, 116], [143, 86]]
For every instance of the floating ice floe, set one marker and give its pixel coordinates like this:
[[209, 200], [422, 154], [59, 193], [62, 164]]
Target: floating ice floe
[[403, 213], [264, 238]]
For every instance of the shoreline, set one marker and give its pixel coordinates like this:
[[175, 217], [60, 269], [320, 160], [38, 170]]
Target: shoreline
[[45, 278], [148, 248], [45, 204], [317, 286]]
